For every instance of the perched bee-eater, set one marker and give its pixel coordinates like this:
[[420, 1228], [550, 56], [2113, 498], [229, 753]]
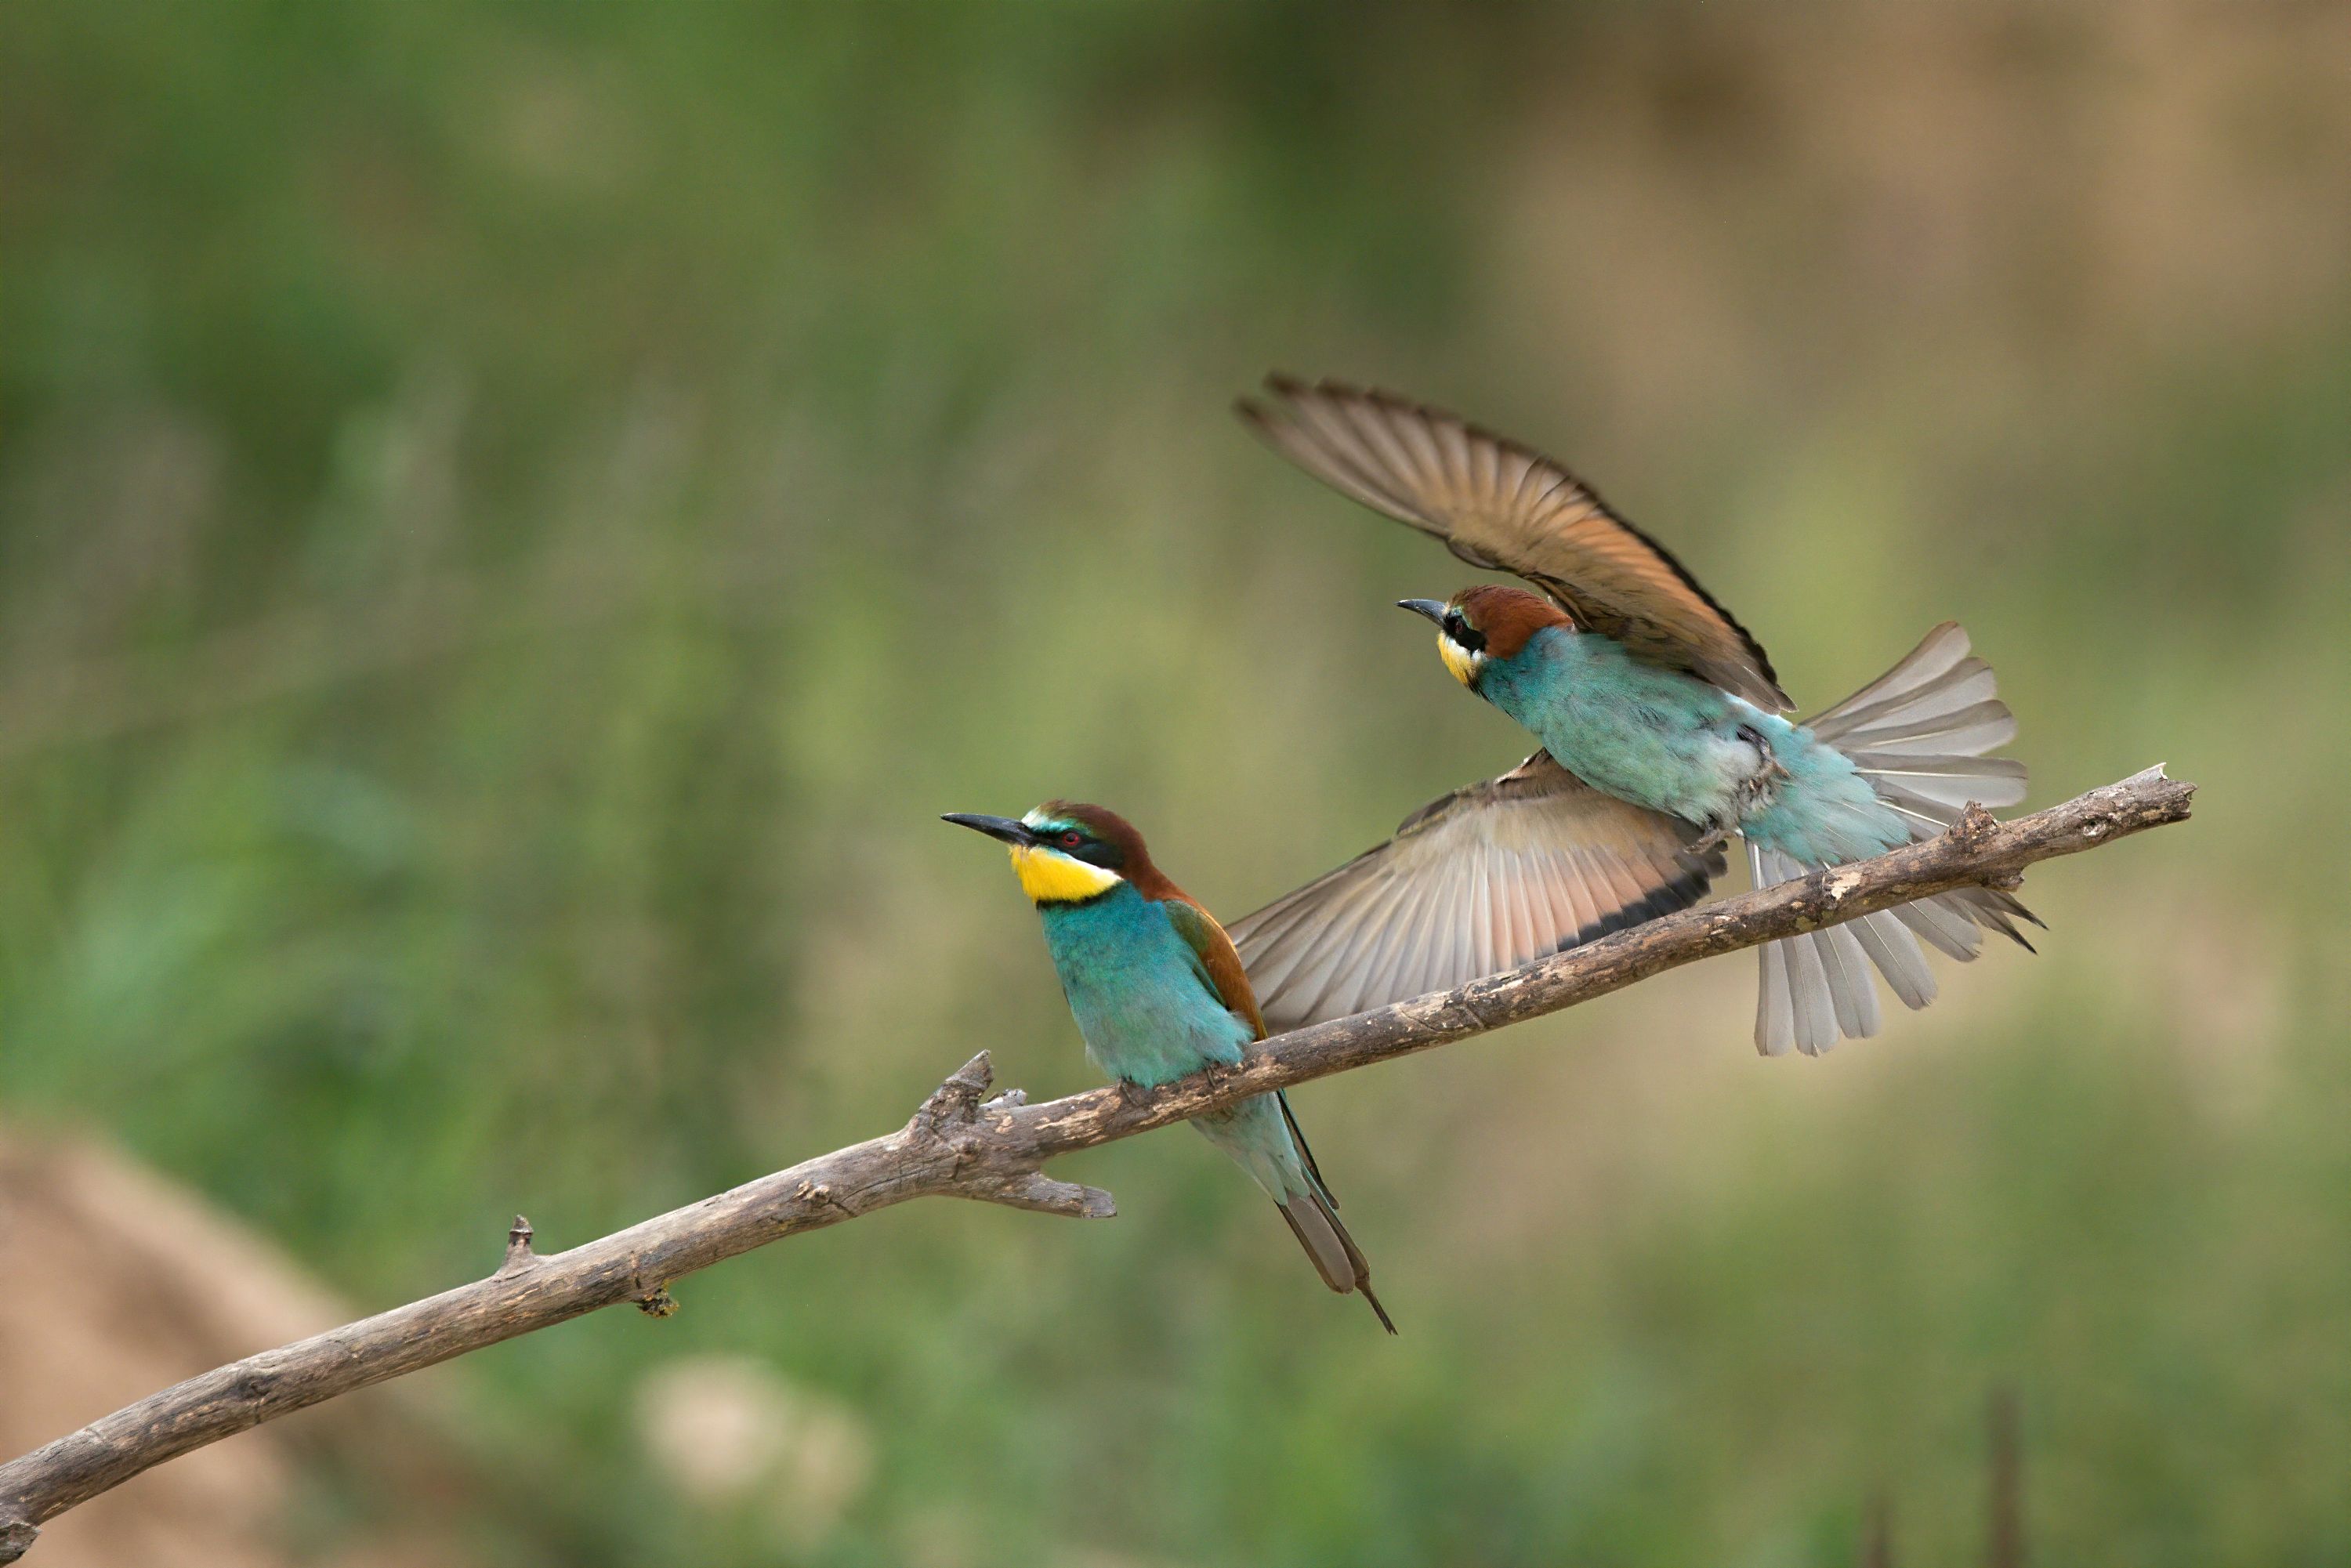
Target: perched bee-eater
[[1159, 993], [1662, 730]]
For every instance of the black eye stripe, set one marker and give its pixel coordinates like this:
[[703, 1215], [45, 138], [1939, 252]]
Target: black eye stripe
[[1461, 632], [1081, 845]]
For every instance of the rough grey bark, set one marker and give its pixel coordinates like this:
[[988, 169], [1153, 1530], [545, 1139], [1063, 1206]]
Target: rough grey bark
[[960, 1144]]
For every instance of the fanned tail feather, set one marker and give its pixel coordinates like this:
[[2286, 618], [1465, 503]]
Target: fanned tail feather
[[1918, 733], [1816, 988]]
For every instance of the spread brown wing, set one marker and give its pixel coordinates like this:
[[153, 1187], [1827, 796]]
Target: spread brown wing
[[1498, 506], [1482, 881]]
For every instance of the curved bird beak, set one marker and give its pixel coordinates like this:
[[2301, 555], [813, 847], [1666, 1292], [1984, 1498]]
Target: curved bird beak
[[1432, 608], [1003, 828]]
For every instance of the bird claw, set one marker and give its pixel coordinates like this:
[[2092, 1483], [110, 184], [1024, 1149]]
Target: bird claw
[[1755, 792]]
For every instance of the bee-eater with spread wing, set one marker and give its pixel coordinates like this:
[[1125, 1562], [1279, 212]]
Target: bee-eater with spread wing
[[1159, 993], [1662, 730]]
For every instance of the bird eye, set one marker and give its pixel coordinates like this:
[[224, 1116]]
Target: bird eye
[[1072, 839], [1457, 627]]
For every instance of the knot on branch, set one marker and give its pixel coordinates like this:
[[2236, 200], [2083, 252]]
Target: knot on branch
[[984, 1166], [1469, 1006], [16, 1537], [820, 1195], [1974, 827], [955, 1102], [519, 1253]]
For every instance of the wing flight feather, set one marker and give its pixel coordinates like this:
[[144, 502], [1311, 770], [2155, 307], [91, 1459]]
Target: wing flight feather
[[1502, 506], [1482, 881]]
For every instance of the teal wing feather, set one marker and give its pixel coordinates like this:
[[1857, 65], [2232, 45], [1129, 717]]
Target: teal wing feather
[[1272, 1150], [1215, 960]]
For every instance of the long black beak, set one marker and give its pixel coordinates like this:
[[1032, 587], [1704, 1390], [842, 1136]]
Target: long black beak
[[1432, 608], [1004, 828]]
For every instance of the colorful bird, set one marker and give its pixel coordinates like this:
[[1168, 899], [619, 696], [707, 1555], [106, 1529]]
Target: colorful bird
[[1159, 993], [1663, 732]]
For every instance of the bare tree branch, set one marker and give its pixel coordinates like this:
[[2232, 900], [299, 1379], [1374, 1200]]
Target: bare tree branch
[[961, 1144]]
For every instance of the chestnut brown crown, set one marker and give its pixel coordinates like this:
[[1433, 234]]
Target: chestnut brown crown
[[1506, 617]]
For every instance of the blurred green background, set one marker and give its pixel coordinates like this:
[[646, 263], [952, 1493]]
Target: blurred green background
[[514, 520]]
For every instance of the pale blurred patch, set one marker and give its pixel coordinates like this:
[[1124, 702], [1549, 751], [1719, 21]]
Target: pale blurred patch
[[2209, 975], [729, 1432], [2043, 181]]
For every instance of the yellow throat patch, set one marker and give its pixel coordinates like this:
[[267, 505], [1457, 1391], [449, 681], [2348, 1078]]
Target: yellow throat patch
[[1048, 876], [1463, 664]]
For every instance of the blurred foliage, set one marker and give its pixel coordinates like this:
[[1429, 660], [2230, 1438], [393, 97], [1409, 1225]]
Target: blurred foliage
[[514, 520]]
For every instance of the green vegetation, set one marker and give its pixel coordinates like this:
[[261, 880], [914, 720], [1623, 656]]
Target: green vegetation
[[514, 521]]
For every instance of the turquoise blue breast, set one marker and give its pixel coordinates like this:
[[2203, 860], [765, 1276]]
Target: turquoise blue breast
[[1140, 997], [1651, 736], [1675, 744]]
